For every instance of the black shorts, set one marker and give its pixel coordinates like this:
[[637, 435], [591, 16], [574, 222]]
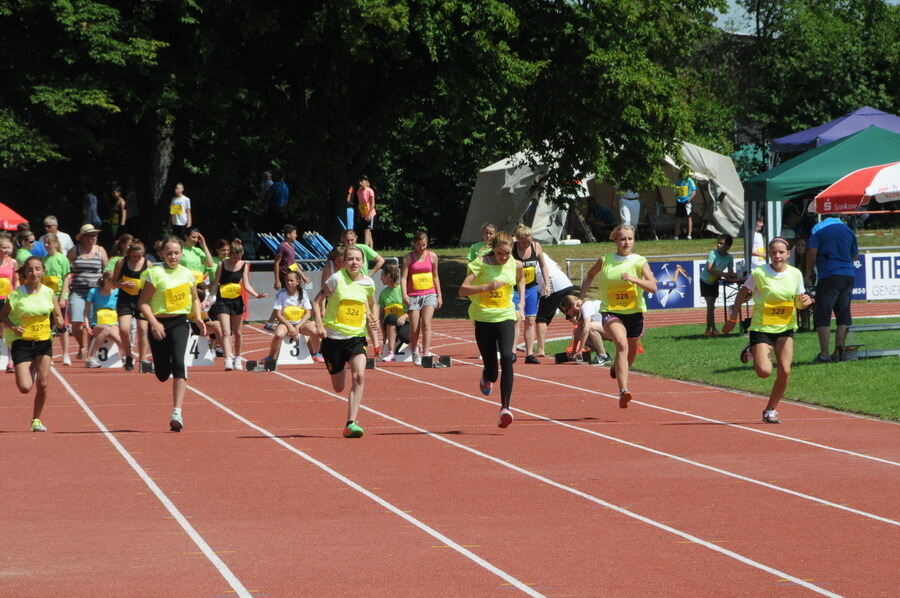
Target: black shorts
[[769, 338], [634, 323], [402, 331], [128, 308], [548, 305], [681, 210], [23, 351], [337, 352], [232, 307], [709, 290], [833, 294]]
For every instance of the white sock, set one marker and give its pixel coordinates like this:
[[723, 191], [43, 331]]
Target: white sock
[[176, 411]]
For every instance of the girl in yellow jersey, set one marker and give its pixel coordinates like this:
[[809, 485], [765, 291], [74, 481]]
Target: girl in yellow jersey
[[778, 293], [351, 302], [168, 295], [489, 287], [623, 278], [30, 311]]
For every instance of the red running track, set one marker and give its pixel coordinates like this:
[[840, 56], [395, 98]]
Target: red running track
[[684, 493]]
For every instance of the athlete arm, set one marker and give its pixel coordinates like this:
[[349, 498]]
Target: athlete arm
[[404, 272], [647, 282], [245, 280], [197, 312], [437, 280], [520, 284], [379, 263], [545, 273], [589, 278]]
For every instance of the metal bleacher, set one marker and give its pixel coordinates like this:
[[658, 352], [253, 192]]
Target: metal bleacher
[[310, 249]]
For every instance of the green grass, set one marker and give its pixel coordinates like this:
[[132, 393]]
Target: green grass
[[867, 386]]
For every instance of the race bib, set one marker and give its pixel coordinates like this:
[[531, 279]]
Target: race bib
[[232, 290], [178, 299], [682, 190], [394, 309], [107, 317], [497, 298], [50, 281], [136, 290], [294, 268], [351, 313], [198, 276], [528, 274], [621, 298], [292, 313], [422, 281], [778, 314], [37, 328], [5, 287], [176, 209]]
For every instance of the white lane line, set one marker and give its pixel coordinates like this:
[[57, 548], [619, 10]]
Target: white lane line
[[621, 510], [685, 460], [205, 548], [372, 496]]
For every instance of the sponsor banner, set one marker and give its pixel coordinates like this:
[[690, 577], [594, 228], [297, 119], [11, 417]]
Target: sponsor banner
[[675, 285], [882, 280]]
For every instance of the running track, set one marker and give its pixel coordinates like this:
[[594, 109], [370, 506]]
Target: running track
[[685, 493]]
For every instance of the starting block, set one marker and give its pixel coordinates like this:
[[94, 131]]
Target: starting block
[[442, 361], [370, 363], [198, 352], [108, 355], [4, 354], [266, 365], [584, 357], [294, 352]]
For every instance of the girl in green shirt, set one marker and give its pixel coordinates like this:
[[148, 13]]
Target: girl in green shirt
[[28, 315], [489, 287], [56, 276], [624, 276], [778, 293]]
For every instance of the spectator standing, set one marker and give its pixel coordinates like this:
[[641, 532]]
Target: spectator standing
[[180, 212], [685, 189], [630, 209], [758, 249], [832, 250], [119, 212], [89, 210], [365, 205], [51, 225], [275, 200], [24, 244]]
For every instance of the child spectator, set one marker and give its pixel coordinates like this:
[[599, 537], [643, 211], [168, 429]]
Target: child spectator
[[392, 311], [719, 263]]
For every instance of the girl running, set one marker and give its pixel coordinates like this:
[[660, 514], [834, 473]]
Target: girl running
[[56, 276], [8, 280], [488, 285], [88, 261], [168, 295], [27, 318], [529, 252], [421, 288], [392, 312], [623, 278], [232, 277], [351, 302], [778, 293], [293, 310], [127, 278], [100, 311]]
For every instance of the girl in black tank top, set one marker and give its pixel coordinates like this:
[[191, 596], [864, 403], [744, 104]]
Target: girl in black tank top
[[530, 262], [127, 303]]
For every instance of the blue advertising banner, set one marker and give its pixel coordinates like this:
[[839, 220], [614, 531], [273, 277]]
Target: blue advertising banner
[[859, 278], [675, 285]]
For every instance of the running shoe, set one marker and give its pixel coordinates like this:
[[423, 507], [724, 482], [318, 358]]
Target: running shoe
[[416, 358], [229, 364], [67, 360], [175, 422], [770, 416], [220, 352], [506, 418], [388, 356], [317, 357], [532, 359], [484, 386], [601, 360], [92, 363], [270, 326], [624, 398], [129, 363], [822, 359], [746, 354], [37, 426], [353, 430], [10, 368]]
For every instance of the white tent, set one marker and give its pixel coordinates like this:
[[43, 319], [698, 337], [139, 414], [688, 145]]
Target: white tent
[[509, 192]]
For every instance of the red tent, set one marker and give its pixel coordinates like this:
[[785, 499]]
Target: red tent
[[9, 219]]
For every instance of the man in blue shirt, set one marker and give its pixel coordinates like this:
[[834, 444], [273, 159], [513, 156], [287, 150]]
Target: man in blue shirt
[[832, 250], [275, 199]]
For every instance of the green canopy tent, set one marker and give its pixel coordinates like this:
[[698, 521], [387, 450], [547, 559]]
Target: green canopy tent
[[807, 174]]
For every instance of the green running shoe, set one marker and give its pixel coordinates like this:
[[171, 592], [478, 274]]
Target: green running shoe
[[37, 426], [353, 430]]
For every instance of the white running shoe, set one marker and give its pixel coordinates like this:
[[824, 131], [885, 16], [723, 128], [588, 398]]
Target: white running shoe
[[416, 358], [229, 364], [506, 418], [67, 360], [92, 363], [770, 416], [388, 357]]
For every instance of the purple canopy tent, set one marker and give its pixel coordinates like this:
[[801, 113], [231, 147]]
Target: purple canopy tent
[[837, 129]]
